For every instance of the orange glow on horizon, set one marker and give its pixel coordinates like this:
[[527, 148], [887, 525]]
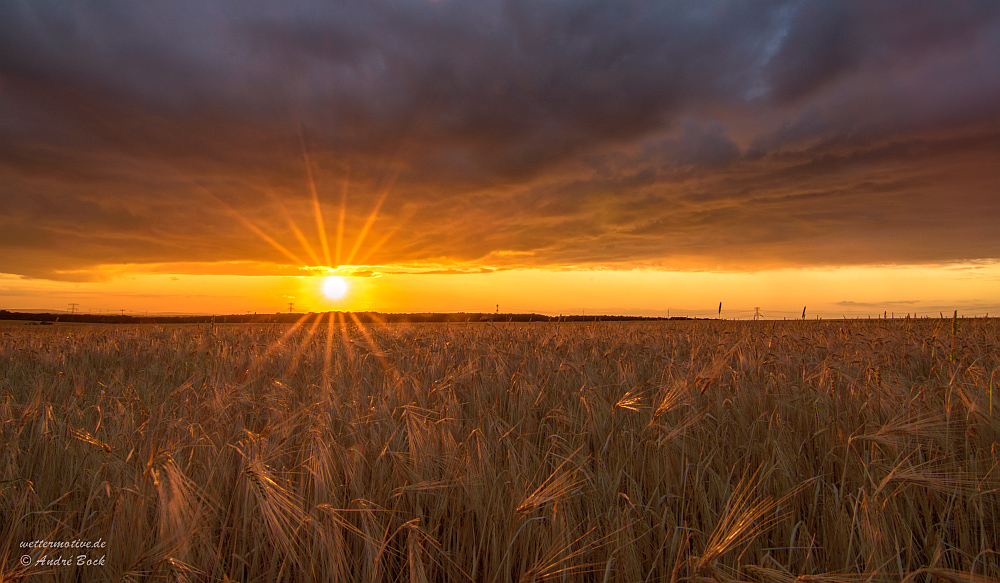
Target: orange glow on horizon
[[833, 292]]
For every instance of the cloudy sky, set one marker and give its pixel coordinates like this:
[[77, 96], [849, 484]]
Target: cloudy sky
[[468, 153]]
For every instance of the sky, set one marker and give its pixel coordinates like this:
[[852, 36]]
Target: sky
[[634, 157]]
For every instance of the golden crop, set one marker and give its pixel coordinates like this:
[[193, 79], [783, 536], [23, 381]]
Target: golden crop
[[834, 451]]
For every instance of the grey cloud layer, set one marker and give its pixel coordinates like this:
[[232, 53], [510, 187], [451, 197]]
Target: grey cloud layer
[[695, 134]]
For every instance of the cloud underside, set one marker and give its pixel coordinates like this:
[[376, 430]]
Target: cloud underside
[[692, 135]]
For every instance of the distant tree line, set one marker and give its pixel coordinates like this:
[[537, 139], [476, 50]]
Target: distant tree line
[[287, 318]]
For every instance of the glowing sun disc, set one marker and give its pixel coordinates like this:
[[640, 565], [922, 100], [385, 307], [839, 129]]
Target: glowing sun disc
[[335, 287]]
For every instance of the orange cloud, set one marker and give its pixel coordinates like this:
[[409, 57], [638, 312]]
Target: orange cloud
[[446, 137]]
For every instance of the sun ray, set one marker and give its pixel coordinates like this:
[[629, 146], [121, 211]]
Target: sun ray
[[346, 337], [377, 319], [295, 229], [279, 342], [320, 228], [256, 230], [343, 216], [382, 241], [364, 333], [376, 350], [328, 355], [371, 218], [294, 363]]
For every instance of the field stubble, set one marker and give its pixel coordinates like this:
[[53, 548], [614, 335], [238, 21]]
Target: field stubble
[[679, 451]]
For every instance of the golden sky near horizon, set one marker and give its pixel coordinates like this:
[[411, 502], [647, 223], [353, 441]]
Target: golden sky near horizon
[[613, 157]]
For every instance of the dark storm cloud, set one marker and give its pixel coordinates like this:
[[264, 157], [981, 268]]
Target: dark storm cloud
[[696, 134]]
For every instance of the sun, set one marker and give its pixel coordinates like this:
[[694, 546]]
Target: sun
[[335, 287]]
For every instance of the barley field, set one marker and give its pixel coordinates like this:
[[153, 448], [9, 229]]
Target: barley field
[[823, 451]]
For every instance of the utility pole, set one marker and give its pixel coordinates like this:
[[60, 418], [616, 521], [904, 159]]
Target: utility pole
[[756, 313], [72, 308], [290, 304]]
